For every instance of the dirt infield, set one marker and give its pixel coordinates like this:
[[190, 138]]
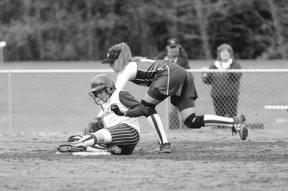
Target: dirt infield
[[205, 159]]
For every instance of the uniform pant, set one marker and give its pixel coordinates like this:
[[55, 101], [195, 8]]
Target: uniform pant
[[124, 136]]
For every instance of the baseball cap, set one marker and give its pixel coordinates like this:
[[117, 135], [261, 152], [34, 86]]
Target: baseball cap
[[112, 55], [172, 42]]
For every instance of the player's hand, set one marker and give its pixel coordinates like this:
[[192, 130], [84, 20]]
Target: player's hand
[[204, 72], [114, 107]]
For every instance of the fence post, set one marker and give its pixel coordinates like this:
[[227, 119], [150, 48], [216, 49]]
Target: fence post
[[10, 101], [2, 45]]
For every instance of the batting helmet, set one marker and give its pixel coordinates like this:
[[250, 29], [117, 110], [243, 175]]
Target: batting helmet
[[101, 82]]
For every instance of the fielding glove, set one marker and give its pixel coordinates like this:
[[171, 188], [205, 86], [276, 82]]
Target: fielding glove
[[94, 126]]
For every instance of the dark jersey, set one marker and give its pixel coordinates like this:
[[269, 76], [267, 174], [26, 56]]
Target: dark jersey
[[149, 70], [226, 83], [164, 77]]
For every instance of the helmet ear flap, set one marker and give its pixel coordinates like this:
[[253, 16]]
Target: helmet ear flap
[[110, 90]]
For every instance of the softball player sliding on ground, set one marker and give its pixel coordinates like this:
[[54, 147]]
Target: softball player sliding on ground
[[119, 133], [166, 79]]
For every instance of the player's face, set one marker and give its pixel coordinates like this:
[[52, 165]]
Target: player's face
[[100, 96], [225, 55], [173, 50]]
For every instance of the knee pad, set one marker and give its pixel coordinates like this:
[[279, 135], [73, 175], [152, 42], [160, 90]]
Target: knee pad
[[194, 122], [151, 107]]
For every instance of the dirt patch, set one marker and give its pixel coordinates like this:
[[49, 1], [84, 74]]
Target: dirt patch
[[201, 160]]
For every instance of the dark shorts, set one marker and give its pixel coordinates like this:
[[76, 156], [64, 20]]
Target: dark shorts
[[125, 137], [175, 82]]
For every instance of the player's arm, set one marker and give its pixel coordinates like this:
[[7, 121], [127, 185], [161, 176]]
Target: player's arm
[[100, 114], [127, 74], [206, 76], [135, 108]]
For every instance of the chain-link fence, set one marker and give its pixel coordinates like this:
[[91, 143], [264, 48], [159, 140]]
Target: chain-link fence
[[231, 92], [58, 101]]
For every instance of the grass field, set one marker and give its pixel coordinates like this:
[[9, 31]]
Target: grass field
[[46, 108]]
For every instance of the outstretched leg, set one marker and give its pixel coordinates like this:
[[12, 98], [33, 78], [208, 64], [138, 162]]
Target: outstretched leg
[[191, 120], [122, 135]]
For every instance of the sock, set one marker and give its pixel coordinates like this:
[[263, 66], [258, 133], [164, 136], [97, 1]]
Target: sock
[[87, 141], [156, 122], [215, 120], [103, 136]]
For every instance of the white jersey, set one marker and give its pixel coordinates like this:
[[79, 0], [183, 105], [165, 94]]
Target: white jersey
[[111, 119]]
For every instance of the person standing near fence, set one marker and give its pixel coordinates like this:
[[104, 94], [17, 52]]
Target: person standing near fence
[[164, 80], [176, 54], [225, 85]]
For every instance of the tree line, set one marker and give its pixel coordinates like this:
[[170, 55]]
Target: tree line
[[85, 29]]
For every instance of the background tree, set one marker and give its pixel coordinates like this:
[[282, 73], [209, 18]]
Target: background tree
[[85, 29]]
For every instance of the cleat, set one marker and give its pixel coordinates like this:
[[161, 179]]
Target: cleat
[[165, 148], [240, 127], [243, 132], [68, 148]]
